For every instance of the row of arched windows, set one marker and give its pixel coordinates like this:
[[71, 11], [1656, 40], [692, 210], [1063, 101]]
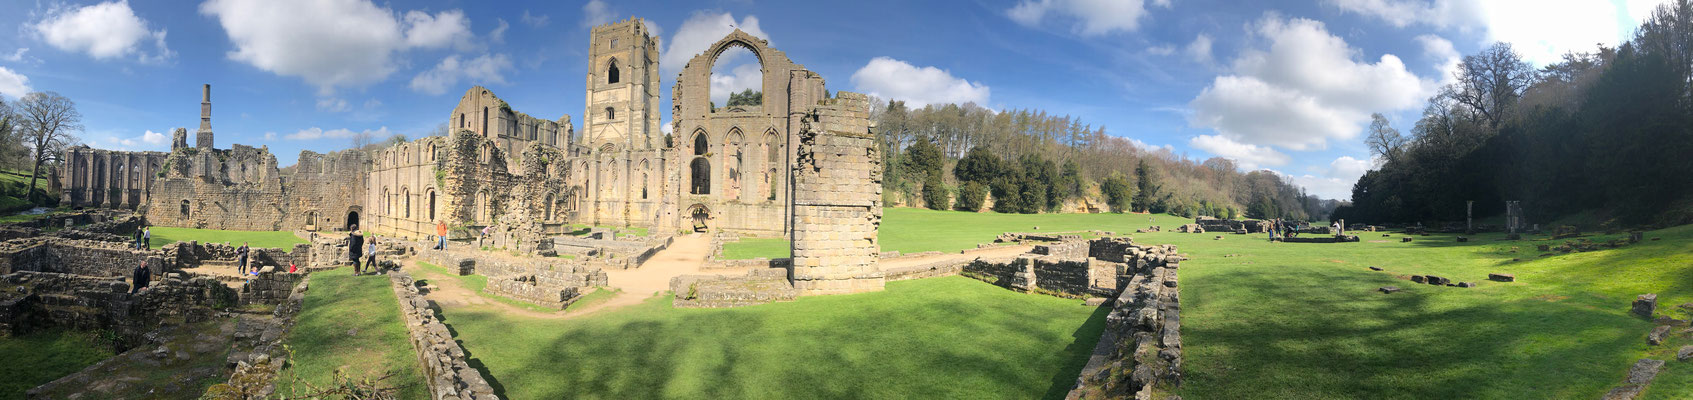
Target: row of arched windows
[[736, 160]]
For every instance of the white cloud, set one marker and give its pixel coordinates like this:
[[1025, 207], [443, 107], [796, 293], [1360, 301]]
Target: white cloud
[[1541, 30], [1163, 50], [332, 104], [17, 56], [270, 136], [1439, 48], [154, 138], [13, 84], [499, 33], [1092, 17], [596, 13], [448, 28], [1199, 50], [536, 21], [485, 69], [1149, 147], [1335, 182], [330, 43], [741, 77], [106, 30], [699, 32], [1249, 157], [1305, 90], [315, 133], [894, 79]]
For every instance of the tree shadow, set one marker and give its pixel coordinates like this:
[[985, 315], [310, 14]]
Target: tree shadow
[[1077, 353]]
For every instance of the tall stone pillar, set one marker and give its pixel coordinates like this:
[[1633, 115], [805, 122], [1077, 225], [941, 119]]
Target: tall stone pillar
[[203, 138], [837, 204]]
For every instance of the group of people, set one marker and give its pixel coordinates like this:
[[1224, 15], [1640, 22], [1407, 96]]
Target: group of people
[[1280, 228], [143, 237]]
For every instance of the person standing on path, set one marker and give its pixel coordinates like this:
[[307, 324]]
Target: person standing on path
[[441, 232], [370, 255], [241, 258], [140, 278], [147, 238], [138, 233], [355, 247]]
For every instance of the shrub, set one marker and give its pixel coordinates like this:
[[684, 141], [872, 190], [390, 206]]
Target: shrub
[[971, 196], [935, 193]]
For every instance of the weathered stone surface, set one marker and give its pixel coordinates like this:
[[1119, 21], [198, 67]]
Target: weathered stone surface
[[1684, 354], [1639, 377], [1502, 277], [1466, 284], [448, 374], [1657, 335], [1419, 279], [1389, 289], [1645, 305], [715, 291]]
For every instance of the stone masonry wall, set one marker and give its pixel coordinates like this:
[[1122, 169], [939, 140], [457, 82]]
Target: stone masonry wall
[[444, 364], [1139, 355], [39, 300], [837, 202], [75, 256]]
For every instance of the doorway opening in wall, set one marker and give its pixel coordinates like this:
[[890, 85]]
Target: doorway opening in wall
[[352, 220], [700, 215]]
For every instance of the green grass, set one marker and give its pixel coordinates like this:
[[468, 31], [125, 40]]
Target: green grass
[[163, 235], [37, 358], [352, 322], [949, 337], [750, 248], [599, 295], [478, 284]]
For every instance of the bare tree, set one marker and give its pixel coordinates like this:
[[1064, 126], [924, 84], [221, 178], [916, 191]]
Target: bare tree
[[48, 122], [1491, 81], [1384, 141], [440, 130], [361, 140]]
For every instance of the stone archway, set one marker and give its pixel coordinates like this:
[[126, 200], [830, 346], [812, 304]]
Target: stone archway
[[352, 220], [700, 215]]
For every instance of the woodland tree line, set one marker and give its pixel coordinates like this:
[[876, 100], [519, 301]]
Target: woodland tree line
[[1027, 161], [1607, 132]]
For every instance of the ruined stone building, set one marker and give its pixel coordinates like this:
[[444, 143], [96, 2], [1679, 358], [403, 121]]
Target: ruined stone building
[[731, 169]]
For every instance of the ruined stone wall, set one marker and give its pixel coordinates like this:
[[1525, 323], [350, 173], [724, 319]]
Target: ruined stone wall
[[403, 194], [487, 116], [837, 202], [445, 368], [107, 178], [238, 189], [1139, 355], [75, 256], [324, 190], [192, 254], [758, 286], [555, 289], [41, 300]]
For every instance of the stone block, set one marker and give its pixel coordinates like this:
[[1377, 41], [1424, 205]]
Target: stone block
[[1502, 277], [1645, 305], [1389, 289]]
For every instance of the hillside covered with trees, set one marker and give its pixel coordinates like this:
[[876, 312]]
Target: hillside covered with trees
[[1027, 161], [1606, 133]]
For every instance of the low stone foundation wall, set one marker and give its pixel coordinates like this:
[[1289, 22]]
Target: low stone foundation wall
[[760, 262], [570, 272], [1055, 275], [613, 254], [447, 373], [1140, 353], [31, 301], [75, 256], [269, 287], [547, 288], [715, 291], [193, 253]]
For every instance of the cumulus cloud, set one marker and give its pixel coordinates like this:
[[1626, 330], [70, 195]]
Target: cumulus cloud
[[699, 32], [1199, 50], [16, 56], [1439, 48], [1091, 17], [596, 13], [13, 85], [1248, 156], [1541, 30], [737, 77], [330, 43], [485, 69], [1336, 181], [918, 86], [332, 104], [104, 31], [1307, 88], [315, 133], [154, 138], [1148, 147]]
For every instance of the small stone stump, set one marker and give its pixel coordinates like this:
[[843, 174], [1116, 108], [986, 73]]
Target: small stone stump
[[1543, 247], [1419, 279], [1502, 277], [1405, 240], [1466, 285], [1656, 337], [1686, 353], [1395, 289], [1645, 305]]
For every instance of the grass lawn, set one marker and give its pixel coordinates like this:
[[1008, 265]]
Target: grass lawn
[[599, 295], [163, 235], [750, 248], [41, 357], [477, 283], [352, 323], [915, 230], [949, 337]]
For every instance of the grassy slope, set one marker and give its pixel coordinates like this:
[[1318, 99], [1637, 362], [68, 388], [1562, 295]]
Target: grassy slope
[[35, 359], [352, 322], [913, 230], [163, 235], [477, 283], [935, 338]]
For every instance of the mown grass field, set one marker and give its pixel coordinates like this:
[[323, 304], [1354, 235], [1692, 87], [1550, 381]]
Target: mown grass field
[[163, 235], [949, 337], [37, 358], [351, 323], [1303, 321]]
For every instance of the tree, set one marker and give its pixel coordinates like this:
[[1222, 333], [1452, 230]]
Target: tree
[[971, 195], [935, 193], [922, 159], [1007, 196], [746, 98], [1146, 187], [48, 122], [1384, 141], [1490, 82], [980, 165], [1118, 192]]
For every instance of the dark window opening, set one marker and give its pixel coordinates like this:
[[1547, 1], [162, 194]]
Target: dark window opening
[[612, 75], [610, 113], [700, 144], [702, 176]]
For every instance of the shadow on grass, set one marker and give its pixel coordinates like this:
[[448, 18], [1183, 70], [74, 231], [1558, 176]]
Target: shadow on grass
[[1301, 332], [1077, 353], [469, 359]]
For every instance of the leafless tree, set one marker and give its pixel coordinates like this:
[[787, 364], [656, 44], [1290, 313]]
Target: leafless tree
[[362, 140], [48, 122], [1384, 141], [1491, 81]]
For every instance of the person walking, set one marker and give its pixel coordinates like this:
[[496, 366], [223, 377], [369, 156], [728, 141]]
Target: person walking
[[241, 258], [441, 233], [147, 238], [355, 247], [138, 233], [140, 278], [370, 255]]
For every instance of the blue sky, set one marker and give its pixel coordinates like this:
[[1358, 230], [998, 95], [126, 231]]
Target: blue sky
[[1286, 86]]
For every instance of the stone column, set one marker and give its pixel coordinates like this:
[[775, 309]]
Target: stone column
[[837, 206]]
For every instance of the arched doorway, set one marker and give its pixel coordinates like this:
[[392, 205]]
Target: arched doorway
[[700, 215], [352, 220]]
